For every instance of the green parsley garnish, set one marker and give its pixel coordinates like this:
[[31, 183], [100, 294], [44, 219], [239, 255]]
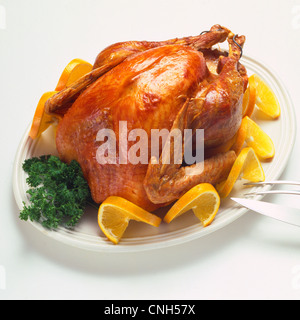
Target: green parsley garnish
[[58, 194]]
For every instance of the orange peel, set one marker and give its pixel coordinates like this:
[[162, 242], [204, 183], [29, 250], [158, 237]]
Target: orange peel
[[252, 134], [266, 99], [259, 141], [249, 100], [203, 199], [75, 69], [240, 136], [115, 214], [246, 166], [41, 120]]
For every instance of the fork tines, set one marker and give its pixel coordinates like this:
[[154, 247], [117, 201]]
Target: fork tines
[[277, 182]]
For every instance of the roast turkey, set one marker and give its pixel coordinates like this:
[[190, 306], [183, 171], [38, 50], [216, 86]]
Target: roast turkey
[[178, 84]]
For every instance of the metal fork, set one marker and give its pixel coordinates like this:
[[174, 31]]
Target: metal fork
[[277, 182]]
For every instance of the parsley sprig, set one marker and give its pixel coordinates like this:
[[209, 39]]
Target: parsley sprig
[[58, 192]]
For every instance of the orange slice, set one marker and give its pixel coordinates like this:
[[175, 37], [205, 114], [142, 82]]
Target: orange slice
[[259, 140], [75, 69], [246, 166], [115, 213], [41, 120], [266, 99], [249, 100], [251, 133], [203, 199]]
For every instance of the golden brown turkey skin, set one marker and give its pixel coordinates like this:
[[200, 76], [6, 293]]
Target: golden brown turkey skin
[[152, 89], [147, 90], [115, 54]]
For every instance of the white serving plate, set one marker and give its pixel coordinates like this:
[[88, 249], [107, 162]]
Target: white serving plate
[[141, 237]]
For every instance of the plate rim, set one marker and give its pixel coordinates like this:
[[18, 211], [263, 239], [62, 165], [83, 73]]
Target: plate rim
[[102, 245]]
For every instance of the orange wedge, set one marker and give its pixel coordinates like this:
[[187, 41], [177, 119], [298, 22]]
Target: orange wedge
[[75, 69], [246, 166], [203, 199], [259, 140], [249, 100], [115, 213], [266, 99], [41, 120], [251, 133]]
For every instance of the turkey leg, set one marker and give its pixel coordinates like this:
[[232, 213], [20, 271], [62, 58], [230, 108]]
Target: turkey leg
[[165, 183]]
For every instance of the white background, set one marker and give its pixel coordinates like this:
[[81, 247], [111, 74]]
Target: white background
[[252, 258]]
